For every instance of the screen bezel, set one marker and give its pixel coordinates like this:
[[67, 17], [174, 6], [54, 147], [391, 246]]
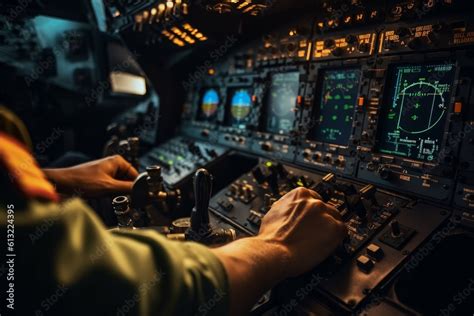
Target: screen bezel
[[386, 101], [230, 94], [266, 101], [198, 110], [316, 107]]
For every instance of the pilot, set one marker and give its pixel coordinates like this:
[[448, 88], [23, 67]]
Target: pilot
[[61, 260]]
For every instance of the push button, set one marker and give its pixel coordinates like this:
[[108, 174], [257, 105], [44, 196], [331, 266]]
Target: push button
[[365, 264], [375, 252], [255, 218], [225, 205]]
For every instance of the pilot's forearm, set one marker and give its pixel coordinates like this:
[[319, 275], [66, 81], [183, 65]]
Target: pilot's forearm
[[56, 176], [253, 266]]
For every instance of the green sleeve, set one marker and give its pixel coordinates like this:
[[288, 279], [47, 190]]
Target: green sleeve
[[67, 263]]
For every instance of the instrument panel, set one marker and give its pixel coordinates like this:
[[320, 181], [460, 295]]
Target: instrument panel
[[371, 107], [384, 107]]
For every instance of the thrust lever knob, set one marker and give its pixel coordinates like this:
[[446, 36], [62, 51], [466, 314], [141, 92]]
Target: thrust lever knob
[[202, 184]]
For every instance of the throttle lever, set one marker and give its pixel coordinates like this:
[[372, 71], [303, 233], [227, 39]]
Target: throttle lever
[[200, 229]]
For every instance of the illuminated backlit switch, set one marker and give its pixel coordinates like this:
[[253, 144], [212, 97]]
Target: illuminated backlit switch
[[255, 218], [457, 107], [375, 252], [365, 264]]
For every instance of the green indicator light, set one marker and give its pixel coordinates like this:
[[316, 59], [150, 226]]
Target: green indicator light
[[268, 164], [334, 117]]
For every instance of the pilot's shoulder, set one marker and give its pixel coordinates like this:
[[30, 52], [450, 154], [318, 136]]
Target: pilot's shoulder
[[23, 172]]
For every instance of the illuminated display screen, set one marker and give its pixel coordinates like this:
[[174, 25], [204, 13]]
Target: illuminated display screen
[[413, 120], [339, 91], [239, 108], [208, 105], [281, 101]]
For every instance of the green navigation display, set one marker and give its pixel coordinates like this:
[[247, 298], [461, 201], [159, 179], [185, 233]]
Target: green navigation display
[[335, 111], [413, 118]]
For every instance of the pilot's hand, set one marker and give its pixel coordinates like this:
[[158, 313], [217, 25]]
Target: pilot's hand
[[92, 179], [309, 229], [297, 233]]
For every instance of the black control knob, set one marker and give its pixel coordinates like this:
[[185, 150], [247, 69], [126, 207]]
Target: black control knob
[[121, 207], [279, 169], [133, 151], [273, 183], [325, 187], [268, 201], [212, 153], [247, 192], [403, 32], [395, 228], [329, 43], [202, 184], [306, 154], [200, 229], [418, 43], [439, 27], [385, 173], [368, 194], [155, 180], [351, 39], [338, 51], [291, 47], [364, 47], [205, 133], [355, 204], [434, 38], [258, 175], [266, 146], [338, 162], [438, 33]]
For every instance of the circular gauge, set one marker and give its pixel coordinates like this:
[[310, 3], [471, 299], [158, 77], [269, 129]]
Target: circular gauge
[[210, 102], [241, 105]]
